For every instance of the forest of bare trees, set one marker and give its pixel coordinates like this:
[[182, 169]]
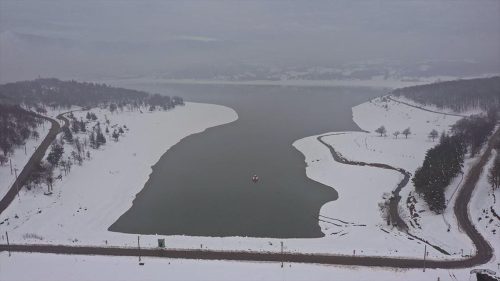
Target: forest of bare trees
[[16, 126], [57, 93], [460, 95]]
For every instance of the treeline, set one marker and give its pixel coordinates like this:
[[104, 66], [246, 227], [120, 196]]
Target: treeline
[[474, 130], [57, 93], [460, 95], [16, 126], [494, 172], [19, 101], [444, 162]]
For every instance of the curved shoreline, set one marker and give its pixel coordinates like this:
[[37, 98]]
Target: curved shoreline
[[484, 251], [483, 254]]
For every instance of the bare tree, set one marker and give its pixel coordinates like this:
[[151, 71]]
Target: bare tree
[[3, 159], [381, 130], [433, 135], [407, 132]]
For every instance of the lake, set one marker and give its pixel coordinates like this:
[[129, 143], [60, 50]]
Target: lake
[[202, 186]]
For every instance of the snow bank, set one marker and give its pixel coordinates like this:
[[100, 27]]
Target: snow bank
[[74, 268]]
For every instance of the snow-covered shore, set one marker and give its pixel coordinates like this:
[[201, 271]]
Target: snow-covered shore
[[90, 198], [353, 225], [93, 196], [363, 189]]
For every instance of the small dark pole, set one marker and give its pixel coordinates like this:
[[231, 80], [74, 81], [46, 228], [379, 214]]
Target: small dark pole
[[139, 247], [10, 160], [17, 185], [282, 255], [25, 150], [425, 254], [8, 244]]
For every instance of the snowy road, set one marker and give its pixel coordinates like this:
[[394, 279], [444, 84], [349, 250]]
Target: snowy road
[[425, 109], [33, 161]]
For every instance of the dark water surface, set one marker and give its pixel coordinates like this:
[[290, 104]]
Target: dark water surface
[[202, 186]]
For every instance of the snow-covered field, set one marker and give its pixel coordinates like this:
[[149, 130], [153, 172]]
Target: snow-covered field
[[360, 195], [26, 266], [353, 225], [117, 171]]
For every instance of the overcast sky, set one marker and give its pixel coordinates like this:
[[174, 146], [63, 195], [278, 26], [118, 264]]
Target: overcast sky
[[87, 39]]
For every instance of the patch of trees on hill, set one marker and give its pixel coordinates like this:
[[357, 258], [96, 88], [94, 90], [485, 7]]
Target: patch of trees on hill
[[460, 95], [72, 147], [16, 126], [475, 130], [444, 162], [57, 93], [65, 93]]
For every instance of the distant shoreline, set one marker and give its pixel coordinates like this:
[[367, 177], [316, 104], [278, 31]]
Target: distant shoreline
[[373, 83]]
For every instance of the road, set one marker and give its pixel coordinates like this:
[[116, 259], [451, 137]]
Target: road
[[32, 162], [35, 159], [484, 251], [425, 109]]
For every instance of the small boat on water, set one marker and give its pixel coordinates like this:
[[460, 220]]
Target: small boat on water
[[255, 178]]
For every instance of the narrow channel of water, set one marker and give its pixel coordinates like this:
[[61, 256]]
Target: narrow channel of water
[[202, 186]]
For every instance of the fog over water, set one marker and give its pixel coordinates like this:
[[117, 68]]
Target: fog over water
[[203, 39]]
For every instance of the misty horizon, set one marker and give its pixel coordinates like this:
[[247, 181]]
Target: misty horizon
[[185, 39]]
